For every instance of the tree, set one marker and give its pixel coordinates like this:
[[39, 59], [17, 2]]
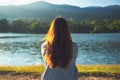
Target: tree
[[19, 26], [4, 25]]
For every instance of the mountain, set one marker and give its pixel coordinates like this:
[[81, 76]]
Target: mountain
[[46, 5], [47, 11]]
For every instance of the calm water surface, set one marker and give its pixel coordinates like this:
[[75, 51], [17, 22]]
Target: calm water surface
[[24, 49]]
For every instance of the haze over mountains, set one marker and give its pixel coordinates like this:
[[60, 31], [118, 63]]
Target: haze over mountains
[[46, 11]]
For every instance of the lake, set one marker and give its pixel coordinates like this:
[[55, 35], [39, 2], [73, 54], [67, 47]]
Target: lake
[[24, 49]]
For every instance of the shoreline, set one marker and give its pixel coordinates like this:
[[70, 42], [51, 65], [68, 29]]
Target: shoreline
[[85, 72], [36, 76]]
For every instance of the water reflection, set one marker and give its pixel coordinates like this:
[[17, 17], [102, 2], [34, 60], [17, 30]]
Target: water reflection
[[94, 52], [24, 49], [20, 53], [19, 49]]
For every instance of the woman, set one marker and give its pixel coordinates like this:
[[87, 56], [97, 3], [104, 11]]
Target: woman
[[59, 52]]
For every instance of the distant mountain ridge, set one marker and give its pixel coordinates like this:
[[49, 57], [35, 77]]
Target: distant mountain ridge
[[47, 11]]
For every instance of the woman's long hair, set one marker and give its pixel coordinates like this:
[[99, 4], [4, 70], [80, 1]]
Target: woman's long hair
[[59, 44]]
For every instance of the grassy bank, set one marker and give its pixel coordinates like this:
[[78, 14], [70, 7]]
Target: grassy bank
[[86, 72], [91, 69]]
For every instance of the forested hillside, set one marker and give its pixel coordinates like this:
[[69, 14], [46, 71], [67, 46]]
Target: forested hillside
[[36, 26], [36, 18], [46, 11]]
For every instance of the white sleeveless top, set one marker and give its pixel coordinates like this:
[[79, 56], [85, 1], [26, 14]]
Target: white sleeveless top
[[70, 73]]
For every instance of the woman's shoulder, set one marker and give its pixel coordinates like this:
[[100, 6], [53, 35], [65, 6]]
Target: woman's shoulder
[[75, 44], [44, 49], [75, 49], [44, 45]]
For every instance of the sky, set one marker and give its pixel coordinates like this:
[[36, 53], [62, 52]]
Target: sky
[[80, 3]]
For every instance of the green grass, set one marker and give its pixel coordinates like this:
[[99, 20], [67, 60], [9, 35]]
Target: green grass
[[99, 69], [110, 69], [23, 69]]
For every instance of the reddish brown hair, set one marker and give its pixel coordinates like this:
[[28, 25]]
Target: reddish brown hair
[[59, 43]]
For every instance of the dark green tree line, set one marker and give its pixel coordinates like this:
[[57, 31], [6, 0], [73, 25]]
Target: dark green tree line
[[83, 26], [4, 25]]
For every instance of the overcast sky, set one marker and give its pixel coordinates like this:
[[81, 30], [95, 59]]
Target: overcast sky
[[80, 3]]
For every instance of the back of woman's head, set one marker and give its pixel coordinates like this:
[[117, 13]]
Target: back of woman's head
[[59, 43]]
